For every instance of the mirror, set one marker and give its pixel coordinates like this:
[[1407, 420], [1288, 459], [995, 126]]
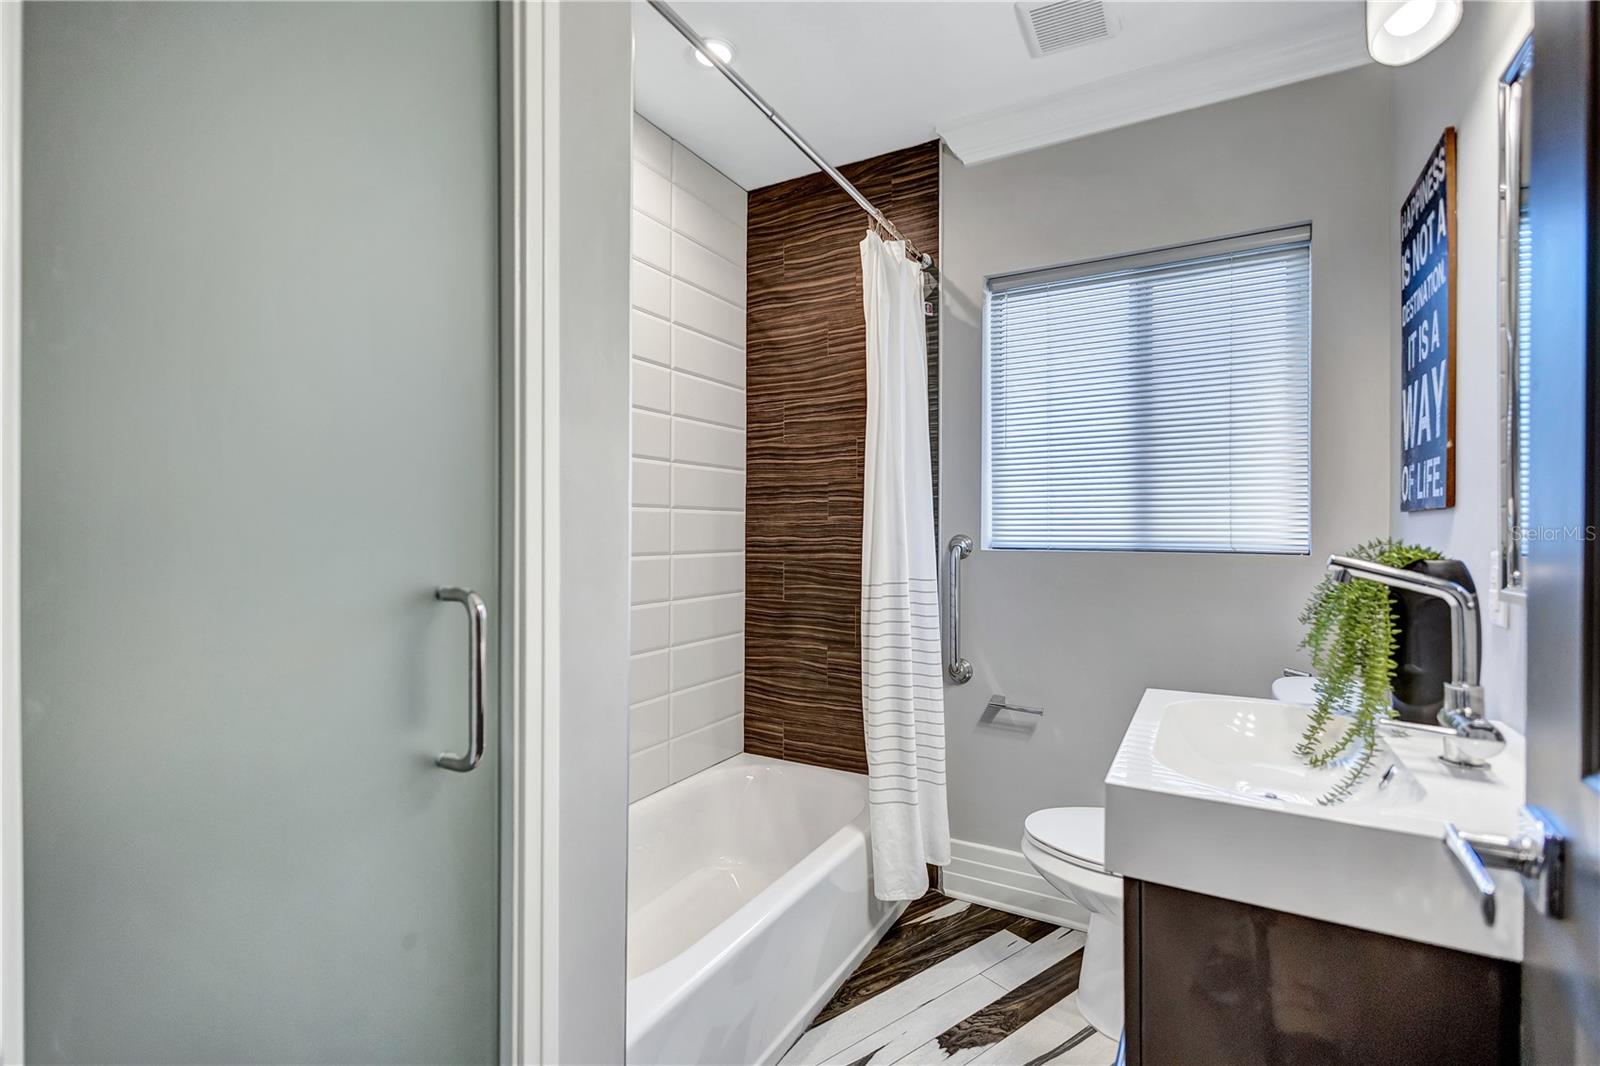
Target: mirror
[[1516, 266]]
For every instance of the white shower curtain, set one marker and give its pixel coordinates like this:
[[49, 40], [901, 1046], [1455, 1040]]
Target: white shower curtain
[[902, 680]]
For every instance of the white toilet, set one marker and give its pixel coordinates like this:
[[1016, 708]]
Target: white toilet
[[1067, 845]]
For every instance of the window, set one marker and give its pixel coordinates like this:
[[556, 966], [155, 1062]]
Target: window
[[1154, 402]]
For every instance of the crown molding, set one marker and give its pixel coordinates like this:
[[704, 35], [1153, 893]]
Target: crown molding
[[1139, 95]]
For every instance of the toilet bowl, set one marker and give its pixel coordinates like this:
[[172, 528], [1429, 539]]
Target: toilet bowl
[[1067, 845]]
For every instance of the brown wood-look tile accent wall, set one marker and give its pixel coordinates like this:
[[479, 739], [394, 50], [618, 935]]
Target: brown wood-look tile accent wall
[[807, 412]]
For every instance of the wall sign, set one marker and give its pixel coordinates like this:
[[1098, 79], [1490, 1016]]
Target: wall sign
[[1428, 334]]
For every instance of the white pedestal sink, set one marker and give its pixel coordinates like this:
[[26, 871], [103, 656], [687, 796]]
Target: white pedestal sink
[[1206, 794]]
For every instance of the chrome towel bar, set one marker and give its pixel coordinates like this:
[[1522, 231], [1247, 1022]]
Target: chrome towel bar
[[997, 703]]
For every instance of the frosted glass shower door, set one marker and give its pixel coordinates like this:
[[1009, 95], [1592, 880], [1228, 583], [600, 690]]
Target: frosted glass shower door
[[259, 381]]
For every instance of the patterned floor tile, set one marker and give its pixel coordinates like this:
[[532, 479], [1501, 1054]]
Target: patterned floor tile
[[953, 983]]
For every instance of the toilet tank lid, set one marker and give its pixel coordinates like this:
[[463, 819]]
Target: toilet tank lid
[[1079, 832]]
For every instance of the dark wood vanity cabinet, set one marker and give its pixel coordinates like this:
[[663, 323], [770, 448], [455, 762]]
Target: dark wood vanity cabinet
[[1211, 981]]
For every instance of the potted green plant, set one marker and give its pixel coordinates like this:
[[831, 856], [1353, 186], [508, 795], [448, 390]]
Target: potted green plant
[[1350, 632]]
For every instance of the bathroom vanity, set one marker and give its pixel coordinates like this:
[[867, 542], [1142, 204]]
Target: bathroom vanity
[[1263, 926], [1218, 981]]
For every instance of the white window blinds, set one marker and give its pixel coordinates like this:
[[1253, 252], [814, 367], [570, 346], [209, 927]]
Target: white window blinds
[[1156, 402], [1524, 376]]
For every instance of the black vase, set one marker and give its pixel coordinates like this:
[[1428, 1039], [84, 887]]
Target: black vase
[[1422, 642]]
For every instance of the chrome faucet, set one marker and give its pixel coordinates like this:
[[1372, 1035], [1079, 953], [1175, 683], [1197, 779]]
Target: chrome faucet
[[1470, 738]]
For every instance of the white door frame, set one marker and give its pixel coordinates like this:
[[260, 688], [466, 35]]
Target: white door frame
[[10, 556], [543, 326], [522, 651]]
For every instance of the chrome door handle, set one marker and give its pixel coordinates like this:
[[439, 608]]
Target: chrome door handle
[[477, 649], [1538, 853], [959, 548], [1471, 866]]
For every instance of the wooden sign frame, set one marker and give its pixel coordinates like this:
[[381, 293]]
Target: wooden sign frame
[[1427, 364]]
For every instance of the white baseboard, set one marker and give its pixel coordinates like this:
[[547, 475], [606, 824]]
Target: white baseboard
[[1006, 881]]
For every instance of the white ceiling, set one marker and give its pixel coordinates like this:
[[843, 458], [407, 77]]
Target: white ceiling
[[857, 79]]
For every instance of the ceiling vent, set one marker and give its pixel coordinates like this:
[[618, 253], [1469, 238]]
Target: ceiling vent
[[1056, 25]]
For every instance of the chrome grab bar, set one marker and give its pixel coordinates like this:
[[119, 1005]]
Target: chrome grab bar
[[477, 649], [959, 548]]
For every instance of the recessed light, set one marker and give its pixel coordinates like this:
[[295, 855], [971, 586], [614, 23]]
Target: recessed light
[[1403, 31], [717, 47]]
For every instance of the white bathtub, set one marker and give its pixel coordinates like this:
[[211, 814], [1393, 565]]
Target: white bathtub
[[749, 903]]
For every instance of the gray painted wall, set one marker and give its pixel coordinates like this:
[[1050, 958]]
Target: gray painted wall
[[1084, 634], [1457, 85]]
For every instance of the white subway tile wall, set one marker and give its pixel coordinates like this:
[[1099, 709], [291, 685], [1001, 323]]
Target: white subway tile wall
[[688, 468]]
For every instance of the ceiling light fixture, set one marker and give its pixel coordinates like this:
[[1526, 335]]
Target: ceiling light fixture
[[1403, 31], [717, 47]]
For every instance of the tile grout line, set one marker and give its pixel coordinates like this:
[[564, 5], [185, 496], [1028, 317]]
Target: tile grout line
[[671, 274], [696, 330], [672, 181]]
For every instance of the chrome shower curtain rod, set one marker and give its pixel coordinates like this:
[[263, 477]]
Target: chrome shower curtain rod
[[699, 45]]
